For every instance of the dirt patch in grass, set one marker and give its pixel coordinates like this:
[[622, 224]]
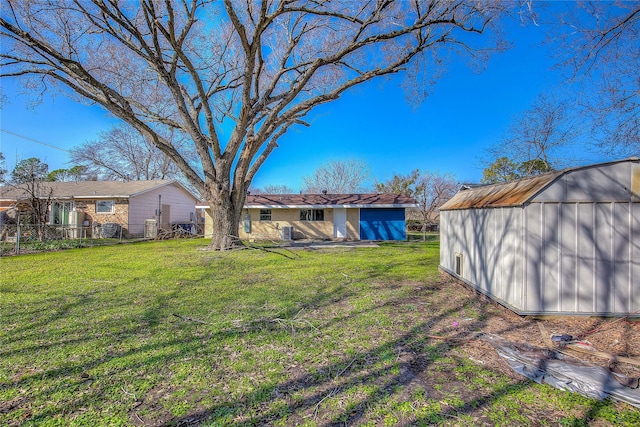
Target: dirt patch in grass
[[458, 379], [450, 373]]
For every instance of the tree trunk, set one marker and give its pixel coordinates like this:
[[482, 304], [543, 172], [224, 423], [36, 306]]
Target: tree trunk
[[225, 216]]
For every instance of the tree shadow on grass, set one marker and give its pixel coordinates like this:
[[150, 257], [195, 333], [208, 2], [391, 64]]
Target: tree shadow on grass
[[395, 376], [360, 388]]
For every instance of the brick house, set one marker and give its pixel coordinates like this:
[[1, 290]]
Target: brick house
[[91, 204]]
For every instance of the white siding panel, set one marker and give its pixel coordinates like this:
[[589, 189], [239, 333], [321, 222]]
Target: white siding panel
[[569, 257], [469, 245], [604, 258], [533, 275], [586, 257], [446, 238], [489, 270], [605, 183], [621, 295], [635, 257], [511, 256], [500, 228], [574, 249], [143, 206], [550, 255]]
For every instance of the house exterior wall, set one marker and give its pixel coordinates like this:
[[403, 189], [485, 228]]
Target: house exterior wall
[[144, 206], [282, 217], [563, 258], [120, 214], [353, 224], [266, 230]]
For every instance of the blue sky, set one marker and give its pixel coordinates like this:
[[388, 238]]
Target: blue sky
[[465, 114]]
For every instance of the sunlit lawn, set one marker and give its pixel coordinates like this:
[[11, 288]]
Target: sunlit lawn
[[163, 333]]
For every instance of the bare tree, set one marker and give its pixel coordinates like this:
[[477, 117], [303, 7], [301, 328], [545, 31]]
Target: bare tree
[[430, 189], [337, 177], [273, 189], [3, 171], [30, 177], [537, 140], [598, 46], [124, 154], [232, 75]]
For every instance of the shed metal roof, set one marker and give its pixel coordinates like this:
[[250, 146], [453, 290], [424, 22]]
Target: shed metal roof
[[510, 194]]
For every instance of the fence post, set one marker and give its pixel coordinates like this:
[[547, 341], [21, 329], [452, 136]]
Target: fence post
[[18, 238]]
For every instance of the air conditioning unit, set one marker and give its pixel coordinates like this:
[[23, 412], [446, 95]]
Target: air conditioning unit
[[287, 233], [150, 228]]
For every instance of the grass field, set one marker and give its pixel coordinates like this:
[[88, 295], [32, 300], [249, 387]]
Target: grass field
[[163, 333]]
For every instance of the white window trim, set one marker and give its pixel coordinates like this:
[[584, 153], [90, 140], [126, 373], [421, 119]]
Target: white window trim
[[113, 207]]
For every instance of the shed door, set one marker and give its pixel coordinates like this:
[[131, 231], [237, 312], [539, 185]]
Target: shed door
[[382, 224]]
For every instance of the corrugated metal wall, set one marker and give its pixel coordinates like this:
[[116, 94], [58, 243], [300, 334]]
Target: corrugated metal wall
[[572, 258]]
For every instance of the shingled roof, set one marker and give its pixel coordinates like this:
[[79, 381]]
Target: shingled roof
[[88, 189], [322, 201]]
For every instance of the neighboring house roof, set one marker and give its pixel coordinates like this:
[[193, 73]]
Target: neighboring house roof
[[513, 193], [90, 189], [323, 201]]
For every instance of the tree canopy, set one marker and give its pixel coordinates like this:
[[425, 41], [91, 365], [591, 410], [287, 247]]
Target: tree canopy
[[337, 177], [28, 170], [597, 47], [504, 169], [124, 154], [230, 76], [430, 190]]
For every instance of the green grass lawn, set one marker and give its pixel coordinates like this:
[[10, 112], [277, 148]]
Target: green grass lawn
[[162, 333]]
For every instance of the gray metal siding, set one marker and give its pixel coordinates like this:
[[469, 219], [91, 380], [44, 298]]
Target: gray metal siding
[[610, 183], [580, 258], [572, 258], [634, 251], [573, 249], [568, 259], [586, 279], [490, 241]]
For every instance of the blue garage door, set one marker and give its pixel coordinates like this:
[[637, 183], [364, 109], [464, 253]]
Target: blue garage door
[[382, 224]]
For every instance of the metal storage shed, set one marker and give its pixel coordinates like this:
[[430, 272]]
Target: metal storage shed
[[565, 242]]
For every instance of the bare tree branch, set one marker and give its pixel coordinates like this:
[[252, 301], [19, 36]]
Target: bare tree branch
[[234, 76]]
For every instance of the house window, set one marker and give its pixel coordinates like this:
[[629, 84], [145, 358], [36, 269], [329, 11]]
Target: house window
[[265, 214], [60, 212], [311, 214], [458, 264], [105, 206]]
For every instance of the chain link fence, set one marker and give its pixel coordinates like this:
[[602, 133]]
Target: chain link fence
[[18, 239]]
